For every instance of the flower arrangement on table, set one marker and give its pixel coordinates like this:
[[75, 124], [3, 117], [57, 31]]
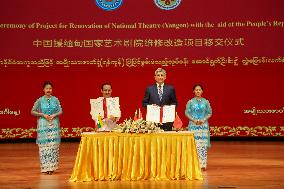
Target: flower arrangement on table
[[137, 126]]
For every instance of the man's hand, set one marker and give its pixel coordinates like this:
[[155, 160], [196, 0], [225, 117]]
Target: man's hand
[[112, 118]]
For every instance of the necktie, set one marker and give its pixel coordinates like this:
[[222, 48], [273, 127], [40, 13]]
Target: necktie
[[105, 108], [160, 92]]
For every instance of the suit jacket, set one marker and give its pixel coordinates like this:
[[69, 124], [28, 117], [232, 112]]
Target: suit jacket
[[152, 97]]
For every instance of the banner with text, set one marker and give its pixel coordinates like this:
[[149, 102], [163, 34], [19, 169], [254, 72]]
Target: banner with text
[[235, 49]]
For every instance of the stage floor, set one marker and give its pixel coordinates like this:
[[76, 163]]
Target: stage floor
[[241, 165]]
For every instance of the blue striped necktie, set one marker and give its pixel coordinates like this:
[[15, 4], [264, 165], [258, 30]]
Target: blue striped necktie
[[160, 92]]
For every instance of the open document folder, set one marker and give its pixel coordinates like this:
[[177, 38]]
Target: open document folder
[[162, 114]]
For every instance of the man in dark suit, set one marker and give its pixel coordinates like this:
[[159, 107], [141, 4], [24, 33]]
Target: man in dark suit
[[160, 94]]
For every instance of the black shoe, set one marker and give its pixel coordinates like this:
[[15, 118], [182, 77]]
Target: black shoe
[[49, 172]]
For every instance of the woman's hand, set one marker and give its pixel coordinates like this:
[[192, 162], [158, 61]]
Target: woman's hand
[[201, 122], [49, 117], [46, 117], [52, 117], [196, 122]]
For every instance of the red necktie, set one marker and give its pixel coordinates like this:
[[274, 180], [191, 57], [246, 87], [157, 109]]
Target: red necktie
[[105, 108], [161, 115]]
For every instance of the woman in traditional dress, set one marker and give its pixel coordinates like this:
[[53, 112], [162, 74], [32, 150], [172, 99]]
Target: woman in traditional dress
[[198, 111], [47, 109]]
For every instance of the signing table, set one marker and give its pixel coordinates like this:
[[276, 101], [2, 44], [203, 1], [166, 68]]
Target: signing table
[[125, 156]]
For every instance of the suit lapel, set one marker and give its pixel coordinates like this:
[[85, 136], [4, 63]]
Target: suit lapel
[[156, 93], [164, 92]]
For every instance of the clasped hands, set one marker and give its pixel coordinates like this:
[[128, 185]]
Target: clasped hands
[[49, 117], [198, 121]]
